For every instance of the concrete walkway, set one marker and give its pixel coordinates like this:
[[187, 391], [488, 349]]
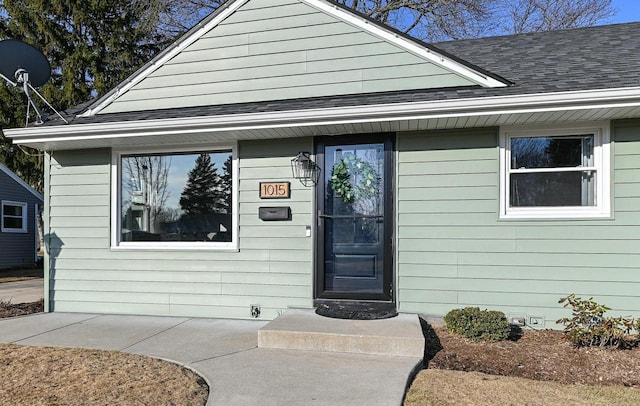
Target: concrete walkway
[[225, 353], [23, 291]]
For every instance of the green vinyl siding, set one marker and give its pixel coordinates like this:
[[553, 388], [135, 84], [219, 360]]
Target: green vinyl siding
[[273, 50], [272, 268], [453, 251]]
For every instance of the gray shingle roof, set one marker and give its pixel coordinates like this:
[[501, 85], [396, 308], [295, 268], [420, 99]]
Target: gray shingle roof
[[579, 59], [568, 60]]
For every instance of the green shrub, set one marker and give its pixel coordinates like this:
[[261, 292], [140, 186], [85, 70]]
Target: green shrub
[[478, 325], [590, 328]]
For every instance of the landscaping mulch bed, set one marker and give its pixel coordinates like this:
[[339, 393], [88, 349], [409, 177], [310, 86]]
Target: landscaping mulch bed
[[8, 309], [541, 355]]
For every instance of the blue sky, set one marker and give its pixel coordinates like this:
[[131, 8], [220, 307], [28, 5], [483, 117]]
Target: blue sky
[[627, 11]]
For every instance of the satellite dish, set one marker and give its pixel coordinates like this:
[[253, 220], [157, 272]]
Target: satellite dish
[[29, 68], [17, 57]]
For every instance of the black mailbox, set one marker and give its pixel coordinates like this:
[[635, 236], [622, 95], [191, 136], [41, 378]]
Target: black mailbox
[[282, 213]]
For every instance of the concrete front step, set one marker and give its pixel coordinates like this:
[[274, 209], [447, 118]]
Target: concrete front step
[[303, 329]]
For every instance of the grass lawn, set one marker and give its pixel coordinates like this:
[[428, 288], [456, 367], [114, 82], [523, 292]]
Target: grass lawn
[[69, 376], [444, 387]]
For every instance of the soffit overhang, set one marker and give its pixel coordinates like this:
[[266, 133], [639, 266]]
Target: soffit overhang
[[543, 109]]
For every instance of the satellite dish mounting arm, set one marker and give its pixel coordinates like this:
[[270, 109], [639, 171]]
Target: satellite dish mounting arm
[[22, 77], [11, 82]]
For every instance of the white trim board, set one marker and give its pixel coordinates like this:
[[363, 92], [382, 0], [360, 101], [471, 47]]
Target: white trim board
[[116, 201], [602, 164], [24, 217], [547, 102]]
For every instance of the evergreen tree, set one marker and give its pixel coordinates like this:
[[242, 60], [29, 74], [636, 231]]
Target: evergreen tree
[[203, 194], [27, 163], [226, 186], [91, 45]]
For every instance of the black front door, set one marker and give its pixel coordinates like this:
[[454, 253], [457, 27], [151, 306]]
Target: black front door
[[355, 207]]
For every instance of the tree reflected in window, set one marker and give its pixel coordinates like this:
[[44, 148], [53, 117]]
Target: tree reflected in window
[[177, 197], [552, 171]]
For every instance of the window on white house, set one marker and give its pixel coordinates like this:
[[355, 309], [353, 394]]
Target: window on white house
[[177, 199], [555, 173], [14, 217]]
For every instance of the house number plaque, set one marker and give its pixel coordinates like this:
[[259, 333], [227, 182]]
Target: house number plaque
[[275, 190]]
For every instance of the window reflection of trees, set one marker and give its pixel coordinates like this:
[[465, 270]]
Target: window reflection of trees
[[561, 188], [205, 202], [145, 181], [551, 152], [356, 229]]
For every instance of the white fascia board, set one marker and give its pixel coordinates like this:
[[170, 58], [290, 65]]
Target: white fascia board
[[21, 182], [404, 43], [164, 58], [487, 106]]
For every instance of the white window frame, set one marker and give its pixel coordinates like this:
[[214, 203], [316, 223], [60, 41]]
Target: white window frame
[[24, 217], [602, 166], [116, 183]]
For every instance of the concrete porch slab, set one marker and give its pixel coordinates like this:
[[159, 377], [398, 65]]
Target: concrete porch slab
[[107, 332], [196, 340], [303, 329], [25, 327], [224, 352]]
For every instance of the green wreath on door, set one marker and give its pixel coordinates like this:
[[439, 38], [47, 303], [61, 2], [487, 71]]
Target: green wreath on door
[[353, 178]]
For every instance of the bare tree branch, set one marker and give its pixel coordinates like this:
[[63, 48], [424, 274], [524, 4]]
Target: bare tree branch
[[546, 15], [428, 19], [431, 20]]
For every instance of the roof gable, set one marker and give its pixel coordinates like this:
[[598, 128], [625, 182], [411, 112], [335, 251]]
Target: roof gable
[[262, 50], [20, 182]]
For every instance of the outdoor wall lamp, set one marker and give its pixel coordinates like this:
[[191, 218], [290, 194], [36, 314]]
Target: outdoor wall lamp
[[304, 169]]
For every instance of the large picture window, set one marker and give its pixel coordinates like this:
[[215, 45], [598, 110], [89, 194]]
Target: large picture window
[[170, 199], [14, 217], [555, 173]]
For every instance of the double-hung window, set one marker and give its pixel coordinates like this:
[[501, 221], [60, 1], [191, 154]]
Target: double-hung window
[[555, 173], [14, 217], [175, 199]]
